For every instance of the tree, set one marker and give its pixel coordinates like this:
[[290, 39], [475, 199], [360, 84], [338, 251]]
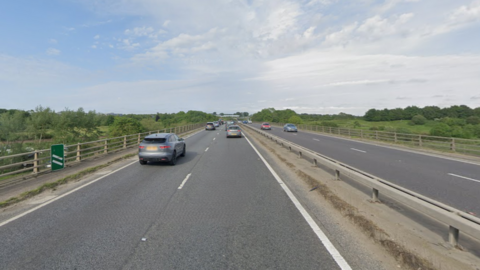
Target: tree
[[295, 119], [125, 126], [40, 121]]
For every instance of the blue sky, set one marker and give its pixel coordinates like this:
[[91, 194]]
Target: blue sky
[[312, 56]]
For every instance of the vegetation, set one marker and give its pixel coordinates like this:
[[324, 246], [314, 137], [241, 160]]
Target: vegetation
[[23, 131], [455, 121]]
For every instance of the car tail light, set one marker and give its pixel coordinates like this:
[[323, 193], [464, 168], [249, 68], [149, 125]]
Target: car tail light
[[164, 147], [141, 147]]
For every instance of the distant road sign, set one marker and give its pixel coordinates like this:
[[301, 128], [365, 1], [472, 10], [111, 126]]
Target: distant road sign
[[57, 157]]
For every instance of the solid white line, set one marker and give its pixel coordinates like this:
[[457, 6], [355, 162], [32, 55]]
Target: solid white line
[[61, 196], [184, 181], [358, 150], [206, 149], [316, 140], [459, 176], [320, 234]]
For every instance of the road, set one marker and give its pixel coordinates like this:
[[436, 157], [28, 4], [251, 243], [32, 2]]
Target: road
[[447, 180], [220, 207]]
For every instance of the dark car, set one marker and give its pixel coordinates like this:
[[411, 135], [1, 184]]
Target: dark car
[[163, 147], [210, 126], [265, 126], [290, 128], [234, 131]]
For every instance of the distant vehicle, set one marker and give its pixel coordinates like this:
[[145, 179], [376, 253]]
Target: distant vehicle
[[163, 147], [234, 131], [265, 125], [290, 128], [249, 121], [245, 121], [216, 124], [210, 126], [229, 123]]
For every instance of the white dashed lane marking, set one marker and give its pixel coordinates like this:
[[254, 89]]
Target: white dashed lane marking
[[464, 177], [354, 149]]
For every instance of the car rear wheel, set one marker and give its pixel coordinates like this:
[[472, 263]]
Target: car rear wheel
[[173, 161], [184, 151], [143, 162]]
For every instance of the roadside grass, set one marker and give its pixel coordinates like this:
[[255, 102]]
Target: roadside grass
[[54, 185], [382, 125]]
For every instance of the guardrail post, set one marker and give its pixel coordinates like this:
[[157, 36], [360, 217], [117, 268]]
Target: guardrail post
[[138, 141], [316, 128], [35, 162], [376, 135], [105, 148], [420, 140], [339, 131], [375, 195], [453, 234], [361, 133], [349, 133], [124, 141], [323, 129], [79, 153], [452, 145], [395, 137], [337, 175], [329, 129]]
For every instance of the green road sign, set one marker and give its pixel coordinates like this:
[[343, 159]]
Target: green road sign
[[57, 157]]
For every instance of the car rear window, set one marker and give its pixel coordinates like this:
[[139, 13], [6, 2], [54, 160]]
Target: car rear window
[[266, 124], [154, 140], [233, 127]]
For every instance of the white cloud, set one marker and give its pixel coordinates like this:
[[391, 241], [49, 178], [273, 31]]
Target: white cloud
[[53, 51], [166, 23], [52, 41], [96, 37]]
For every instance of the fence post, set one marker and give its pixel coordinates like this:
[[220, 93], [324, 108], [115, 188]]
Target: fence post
[[105, 148], [35, 162], [329, 129], [323, 129], [124, 141], [375, 195], [420, 140], [79, 153], [138, 138], [376, 135], [453, 234], [452, 145], [395, 136], [361, 133], [349, 133], [339, 131]]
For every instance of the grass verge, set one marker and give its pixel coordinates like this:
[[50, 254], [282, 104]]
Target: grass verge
[[53, 185]]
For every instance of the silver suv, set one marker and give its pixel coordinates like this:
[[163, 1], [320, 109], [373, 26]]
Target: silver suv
[[164, 147]]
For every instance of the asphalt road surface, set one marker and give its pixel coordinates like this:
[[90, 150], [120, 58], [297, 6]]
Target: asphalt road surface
[[220, 207], [450, 181]]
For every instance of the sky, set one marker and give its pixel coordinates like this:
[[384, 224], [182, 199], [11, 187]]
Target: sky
[[311, 56]]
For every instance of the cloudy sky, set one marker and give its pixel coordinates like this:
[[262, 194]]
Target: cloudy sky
[[312, 56]]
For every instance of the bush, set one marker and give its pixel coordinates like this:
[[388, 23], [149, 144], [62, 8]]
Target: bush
[[441, 130], [418, 120]]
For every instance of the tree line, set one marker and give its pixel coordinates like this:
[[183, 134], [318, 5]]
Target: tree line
[[72, 126], [429, 112]]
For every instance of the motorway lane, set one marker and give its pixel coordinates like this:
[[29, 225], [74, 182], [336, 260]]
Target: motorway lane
[[230, 214], [425, 174]]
